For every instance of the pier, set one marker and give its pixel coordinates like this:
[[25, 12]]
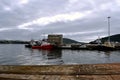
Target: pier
[[109, 71]]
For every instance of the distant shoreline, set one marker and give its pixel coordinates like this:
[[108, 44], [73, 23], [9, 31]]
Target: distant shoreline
[[13, 42]]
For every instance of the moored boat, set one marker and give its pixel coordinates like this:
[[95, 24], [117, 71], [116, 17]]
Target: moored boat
[[28, 46], [107, 46], [42, 45]]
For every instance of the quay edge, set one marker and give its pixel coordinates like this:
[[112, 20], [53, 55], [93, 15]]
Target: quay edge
[[109, 71]]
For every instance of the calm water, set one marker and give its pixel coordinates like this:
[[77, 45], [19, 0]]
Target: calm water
[[17, 54]]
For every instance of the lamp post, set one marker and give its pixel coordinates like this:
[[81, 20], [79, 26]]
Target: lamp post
[[109, 28]]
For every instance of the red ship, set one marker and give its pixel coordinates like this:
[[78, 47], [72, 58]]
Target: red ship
[[42, 45]]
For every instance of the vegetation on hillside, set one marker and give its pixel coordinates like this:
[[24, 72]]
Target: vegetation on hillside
[[13, 42], [113, 38], [65, 41], [69, 41]]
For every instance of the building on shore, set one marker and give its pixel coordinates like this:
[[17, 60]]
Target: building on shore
[[56, 39]]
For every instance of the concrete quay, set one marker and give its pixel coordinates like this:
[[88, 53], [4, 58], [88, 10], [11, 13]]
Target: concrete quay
[[109, 71], [88, 47]]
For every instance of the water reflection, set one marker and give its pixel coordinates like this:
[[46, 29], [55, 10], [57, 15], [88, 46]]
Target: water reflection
[[107, 54], [52, 56], [19, 55]]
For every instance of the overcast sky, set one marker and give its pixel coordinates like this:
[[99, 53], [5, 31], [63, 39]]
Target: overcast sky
[[81, 20]]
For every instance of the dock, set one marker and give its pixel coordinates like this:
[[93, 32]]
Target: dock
[[89, 47], [109, 71]]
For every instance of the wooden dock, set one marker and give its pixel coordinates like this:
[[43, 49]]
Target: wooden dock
[[62, 72]]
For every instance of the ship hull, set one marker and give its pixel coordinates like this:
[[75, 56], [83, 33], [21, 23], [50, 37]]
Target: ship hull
[[45, 47]]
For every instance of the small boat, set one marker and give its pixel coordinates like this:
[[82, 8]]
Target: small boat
[[28, 46]]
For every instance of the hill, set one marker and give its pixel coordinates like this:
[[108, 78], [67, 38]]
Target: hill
[[113, 38], [69, 41], [13, 42], [65, 41]]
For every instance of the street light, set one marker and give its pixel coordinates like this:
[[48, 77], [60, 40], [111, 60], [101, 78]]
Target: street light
[[108, 28]]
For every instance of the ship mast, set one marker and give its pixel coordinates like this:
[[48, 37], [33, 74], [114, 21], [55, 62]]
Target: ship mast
[[108, 28]]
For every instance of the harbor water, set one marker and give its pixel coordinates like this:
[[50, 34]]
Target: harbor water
[[17, 54]]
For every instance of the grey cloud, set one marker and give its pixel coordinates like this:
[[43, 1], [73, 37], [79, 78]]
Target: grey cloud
[[13, 14]]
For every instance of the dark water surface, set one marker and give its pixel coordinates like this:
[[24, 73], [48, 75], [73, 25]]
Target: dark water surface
[[17, 54]]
